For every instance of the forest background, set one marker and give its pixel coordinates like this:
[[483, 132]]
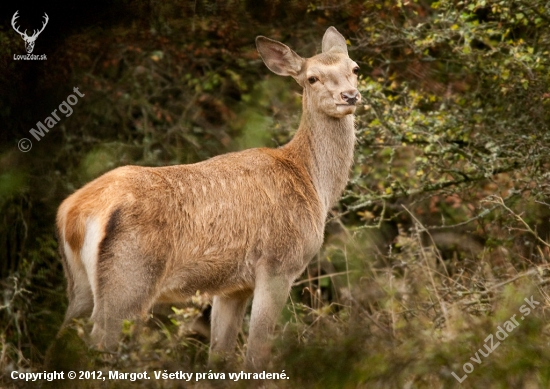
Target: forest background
[[443, 230]]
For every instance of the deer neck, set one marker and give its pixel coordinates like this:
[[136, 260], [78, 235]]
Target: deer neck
[[324, 146]]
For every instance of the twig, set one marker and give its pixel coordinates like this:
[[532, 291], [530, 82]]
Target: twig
[[323, 276], [530, 272], [481, 215], [500, 202]]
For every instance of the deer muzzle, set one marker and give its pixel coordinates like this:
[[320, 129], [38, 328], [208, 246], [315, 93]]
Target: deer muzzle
[[351, 97]]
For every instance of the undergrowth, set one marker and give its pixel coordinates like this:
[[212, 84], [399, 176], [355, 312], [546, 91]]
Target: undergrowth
[[410, 319]]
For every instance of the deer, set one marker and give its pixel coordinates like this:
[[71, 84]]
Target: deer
[[29, 40], [238, 225]]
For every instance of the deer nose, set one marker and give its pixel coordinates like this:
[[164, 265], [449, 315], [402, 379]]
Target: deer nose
[[351, 96]]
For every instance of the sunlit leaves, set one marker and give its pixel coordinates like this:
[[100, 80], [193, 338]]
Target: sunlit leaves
[[455, 97]]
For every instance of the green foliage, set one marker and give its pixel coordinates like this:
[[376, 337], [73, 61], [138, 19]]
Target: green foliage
[[458, 96]]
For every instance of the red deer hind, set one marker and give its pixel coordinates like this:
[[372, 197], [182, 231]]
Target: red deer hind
[[238, 225]]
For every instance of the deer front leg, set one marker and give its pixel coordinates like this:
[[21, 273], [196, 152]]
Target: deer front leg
[[270, 295], [227, 319]]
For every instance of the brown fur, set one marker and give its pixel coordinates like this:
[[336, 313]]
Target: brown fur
[[232, 226]]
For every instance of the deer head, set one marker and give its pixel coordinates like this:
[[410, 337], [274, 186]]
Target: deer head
[[329, 79], [29, 40]]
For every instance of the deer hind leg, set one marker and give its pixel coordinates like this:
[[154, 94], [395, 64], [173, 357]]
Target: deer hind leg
[[270, 295], [127, 283], [81, 300], [227, 318], [126, 290]]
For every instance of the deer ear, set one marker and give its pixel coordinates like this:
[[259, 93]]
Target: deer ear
[[279, 58], [334, 42]]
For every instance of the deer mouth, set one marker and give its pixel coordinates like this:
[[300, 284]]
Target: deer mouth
[[342, 106], [344, 110]]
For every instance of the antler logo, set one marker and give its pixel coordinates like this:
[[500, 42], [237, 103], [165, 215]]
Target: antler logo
[[29, 40]]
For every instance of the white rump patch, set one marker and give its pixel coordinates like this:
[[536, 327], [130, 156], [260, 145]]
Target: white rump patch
[[90, 250]]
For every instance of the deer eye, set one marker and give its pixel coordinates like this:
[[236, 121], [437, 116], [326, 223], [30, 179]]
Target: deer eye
[[356, 70], [312, 80]]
